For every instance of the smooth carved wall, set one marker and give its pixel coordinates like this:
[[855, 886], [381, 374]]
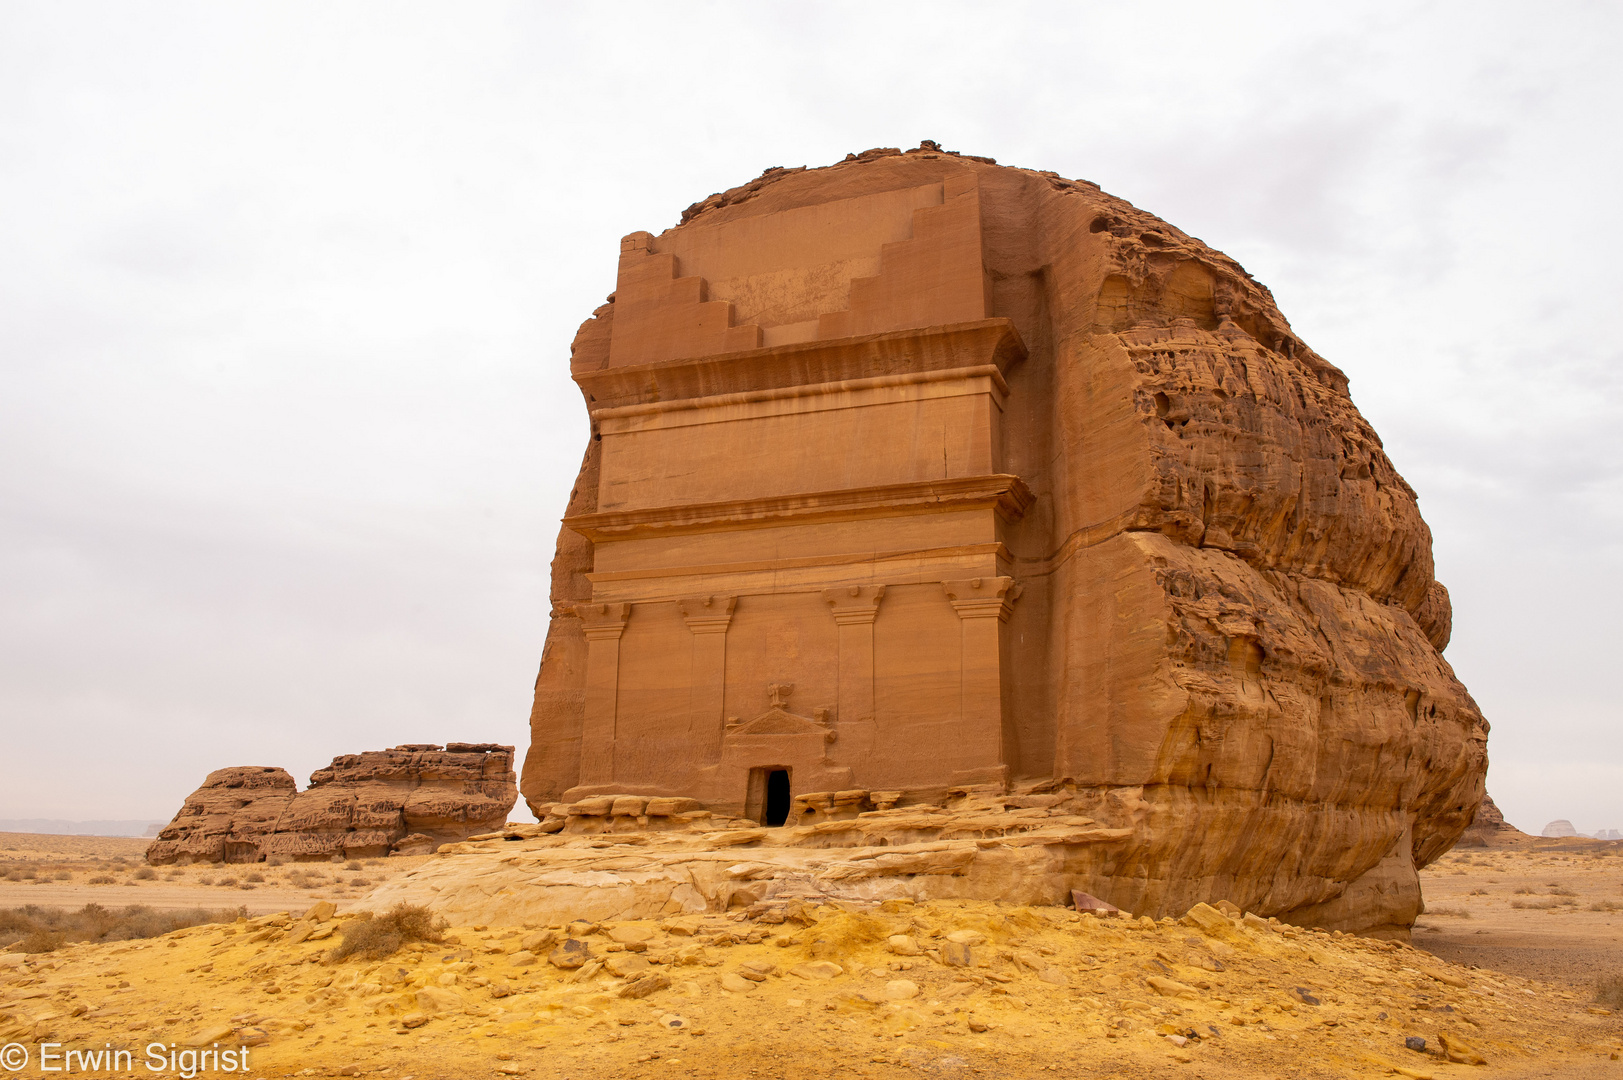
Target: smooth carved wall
[[796, 549], [914, 472]]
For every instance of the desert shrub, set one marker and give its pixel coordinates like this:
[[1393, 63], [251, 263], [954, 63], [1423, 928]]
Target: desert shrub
[[1561, 890], [1550, 903], [146, 873], [1606, 905], [373, 937], [255, 877], [41, 929], [177, 872], [205, 880], [1449, 912], [226, 882], [104, 879], [1609, 991], [275, 860], [352, 865], [1479, 892], [360, 881], [1524, 892], [28, 873]]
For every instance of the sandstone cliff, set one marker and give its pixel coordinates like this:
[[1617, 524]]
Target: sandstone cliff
[[1230, 633], [406, 800]]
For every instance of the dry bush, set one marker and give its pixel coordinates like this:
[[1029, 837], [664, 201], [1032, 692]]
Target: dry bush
[[373, 937], [64, 875], [1449, 912], [146, 873], [255, 877], [1561, 890], [205, 880], [103, 879], [1479, 892], [352, 865], [360, 881], [41, 929], [275, 860], [1606, 905], [226, 882], [1552, 903], [1609, 991]]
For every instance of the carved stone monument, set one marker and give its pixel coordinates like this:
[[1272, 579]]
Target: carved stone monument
[[927, 478]]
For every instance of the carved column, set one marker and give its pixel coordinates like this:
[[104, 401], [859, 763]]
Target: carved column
[[708, 618], [603, 624], [855, 607], [983, 606]]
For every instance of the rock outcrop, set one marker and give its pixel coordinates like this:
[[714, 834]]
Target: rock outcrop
[[407, 800], [1558, 828], [1489, 827], [916, 473]]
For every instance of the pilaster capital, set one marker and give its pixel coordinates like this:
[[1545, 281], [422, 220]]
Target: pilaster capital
[[982, 597], [707, 614], [854, 604], [603, 622]]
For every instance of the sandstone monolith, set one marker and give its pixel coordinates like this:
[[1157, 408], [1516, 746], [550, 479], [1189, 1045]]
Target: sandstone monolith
[[916, 480], [407, 800]]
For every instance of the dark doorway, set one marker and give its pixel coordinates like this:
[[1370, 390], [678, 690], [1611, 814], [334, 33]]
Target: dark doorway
[[777, 797]]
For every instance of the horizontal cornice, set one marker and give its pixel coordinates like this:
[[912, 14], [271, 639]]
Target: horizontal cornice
[[899, 352], [1006, 494]]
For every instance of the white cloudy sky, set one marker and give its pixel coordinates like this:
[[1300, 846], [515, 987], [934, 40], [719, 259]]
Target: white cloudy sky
[[286, 294]]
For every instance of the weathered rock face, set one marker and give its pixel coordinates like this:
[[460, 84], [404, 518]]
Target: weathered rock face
[[1489, 827], [916, 474], [407, 800]]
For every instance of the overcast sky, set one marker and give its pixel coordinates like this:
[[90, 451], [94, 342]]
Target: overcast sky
[[287, 290]]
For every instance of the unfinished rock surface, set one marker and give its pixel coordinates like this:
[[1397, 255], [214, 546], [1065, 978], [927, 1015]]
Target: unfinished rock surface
[[1489, 827], [596, 866], [407, 800], [916, 474]]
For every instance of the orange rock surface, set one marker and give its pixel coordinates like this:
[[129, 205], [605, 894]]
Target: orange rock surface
[[406, 801], [920, 477]]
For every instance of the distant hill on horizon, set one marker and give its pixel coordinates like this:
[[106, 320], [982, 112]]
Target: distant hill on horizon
[[59, 827]]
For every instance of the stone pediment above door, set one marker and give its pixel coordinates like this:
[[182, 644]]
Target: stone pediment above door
[[778, 720]]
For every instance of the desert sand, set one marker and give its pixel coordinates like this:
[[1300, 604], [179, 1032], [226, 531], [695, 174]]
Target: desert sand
[[1046, 991], [60, 870]]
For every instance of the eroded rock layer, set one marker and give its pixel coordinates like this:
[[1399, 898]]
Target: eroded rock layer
[[917, 473], [407, 800]]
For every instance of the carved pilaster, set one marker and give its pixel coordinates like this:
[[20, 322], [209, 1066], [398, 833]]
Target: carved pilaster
[[708, 618], [602, 624], [854, 608], [983, 605]]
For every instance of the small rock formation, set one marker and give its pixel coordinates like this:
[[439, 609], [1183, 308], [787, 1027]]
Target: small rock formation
[[1559, 827], [916, 474], [1489, 827], [404, 801]]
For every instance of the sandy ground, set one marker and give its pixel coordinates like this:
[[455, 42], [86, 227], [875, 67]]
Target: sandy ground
[[1545, 909], [57, 871], [1047, 992]]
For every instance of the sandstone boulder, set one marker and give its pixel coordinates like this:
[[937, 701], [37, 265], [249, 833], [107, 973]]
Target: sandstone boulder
[[407, 800], [1489, 827], [917, 475]]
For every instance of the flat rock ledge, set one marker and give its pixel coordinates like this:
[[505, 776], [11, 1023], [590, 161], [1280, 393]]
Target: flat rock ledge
[[525, 875]]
